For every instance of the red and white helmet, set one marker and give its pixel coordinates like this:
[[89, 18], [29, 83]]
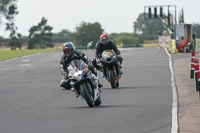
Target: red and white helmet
[[104, 39]]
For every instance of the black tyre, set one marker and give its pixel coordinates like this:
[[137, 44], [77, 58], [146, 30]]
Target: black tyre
[[86, 90], [98, 101], [112, 79]]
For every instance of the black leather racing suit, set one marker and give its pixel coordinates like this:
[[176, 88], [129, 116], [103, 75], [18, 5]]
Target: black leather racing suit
[[65, 62], [100, 48]]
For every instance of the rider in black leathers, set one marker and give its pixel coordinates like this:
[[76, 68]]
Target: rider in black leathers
[[69, 55], [105, 44]]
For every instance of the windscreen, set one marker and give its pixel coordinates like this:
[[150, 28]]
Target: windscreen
[[79, 64], [108, 53]]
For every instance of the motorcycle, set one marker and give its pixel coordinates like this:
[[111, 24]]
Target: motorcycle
[[111, 68], [84, 83]]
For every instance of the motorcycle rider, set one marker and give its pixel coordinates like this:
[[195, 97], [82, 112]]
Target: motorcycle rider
[[70, 54], [105, 44]]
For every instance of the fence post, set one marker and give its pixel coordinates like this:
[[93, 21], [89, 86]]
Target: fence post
[[192, 65], [196, 63]]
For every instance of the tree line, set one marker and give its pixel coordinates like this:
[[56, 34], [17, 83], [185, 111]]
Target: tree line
[[86, 34]]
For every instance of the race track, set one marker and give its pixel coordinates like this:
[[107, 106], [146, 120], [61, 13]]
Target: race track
[[32, 102]]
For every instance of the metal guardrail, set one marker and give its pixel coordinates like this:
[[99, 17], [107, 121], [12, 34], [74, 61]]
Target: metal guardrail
[[132, 45], [86, 47], [81, 47], [124, 46]]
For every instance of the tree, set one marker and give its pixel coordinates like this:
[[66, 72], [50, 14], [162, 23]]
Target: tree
[[148, 28], [4, 7], [113, 36], [128, 38], [64, 33], [10, 26], [62, 36], [86, 33], [8, 9], [40, 35]]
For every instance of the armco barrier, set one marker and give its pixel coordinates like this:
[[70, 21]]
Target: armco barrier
[[124, 46], [131, 45], [81, 47]]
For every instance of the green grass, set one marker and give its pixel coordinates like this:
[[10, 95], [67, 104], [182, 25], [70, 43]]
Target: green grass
[[6, 55]]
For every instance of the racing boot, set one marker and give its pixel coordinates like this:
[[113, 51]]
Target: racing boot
[[100, 85], [101, 69], [72, 89], [120, 68], [62, 88], [121, 71], [97, 80]]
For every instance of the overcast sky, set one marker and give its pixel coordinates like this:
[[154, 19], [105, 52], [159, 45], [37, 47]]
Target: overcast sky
[[113, 15]]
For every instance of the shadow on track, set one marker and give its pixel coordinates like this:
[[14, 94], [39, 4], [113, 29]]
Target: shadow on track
[[101, 106], [141, 87]]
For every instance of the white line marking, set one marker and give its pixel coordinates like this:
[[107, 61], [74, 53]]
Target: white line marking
[[174, 128], [25, 65], [26, 60]]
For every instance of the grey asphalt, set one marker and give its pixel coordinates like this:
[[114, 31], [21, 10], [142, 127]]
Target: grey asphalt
[[32, 102]]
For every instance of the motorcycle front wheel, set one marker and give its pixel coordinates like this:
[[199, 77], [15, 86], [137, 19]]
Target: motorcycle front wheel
[[112, 79], [87, 92]]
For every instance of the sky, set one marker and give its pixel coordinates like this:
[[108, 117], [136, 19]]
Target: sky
[[115, 16]]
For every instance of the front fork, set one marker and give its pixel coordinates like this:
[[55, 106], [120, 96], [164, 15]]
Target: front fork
[[114, 67]]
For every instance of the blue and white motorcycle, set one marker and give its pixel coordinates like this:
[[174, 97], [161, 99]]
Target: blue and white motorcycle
[[84, 83]]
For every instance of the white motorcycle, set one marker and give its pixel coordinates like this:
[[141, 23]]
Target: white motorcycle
[[84, 83]]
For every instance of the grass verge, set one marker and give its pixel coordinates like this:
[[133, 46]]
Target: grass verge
[[150, 45], [6, 55]]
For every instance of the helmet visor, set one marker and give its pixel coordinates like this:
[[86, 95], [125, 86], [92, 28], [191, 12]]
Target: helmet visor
[[68, 51], [104, 41]]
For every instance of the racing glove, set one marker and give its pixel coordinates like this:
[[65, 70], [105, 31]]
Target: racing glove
[[90, 66], [97, 60]]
